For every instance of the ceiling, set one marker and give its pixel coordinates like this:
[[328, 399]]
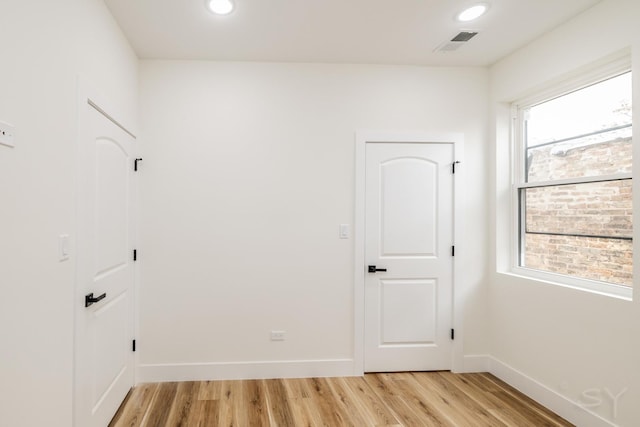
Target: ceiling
[[336, 31]]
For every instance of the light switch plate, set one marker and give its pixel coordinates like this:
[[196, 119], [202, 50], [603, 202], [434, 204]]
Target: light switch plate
[[63, 247], [344, 231], [7, 136]]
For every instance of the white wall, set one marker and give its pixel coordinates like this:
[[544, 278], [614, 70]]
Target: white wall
[[248, 170], [558, 342], [45, 45]]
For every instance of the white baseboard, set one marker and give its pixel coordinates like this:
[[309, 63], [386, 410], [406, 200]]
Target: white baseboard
[[245, 370], [547, 397], [474, 363]]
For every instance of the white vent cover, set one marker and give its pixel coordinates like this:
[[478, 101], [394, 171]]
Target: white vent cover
[[456, 41]]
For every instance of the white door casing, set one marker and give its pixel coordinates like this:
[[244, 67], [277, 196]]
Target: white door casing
[[405, 225], [104, 362]]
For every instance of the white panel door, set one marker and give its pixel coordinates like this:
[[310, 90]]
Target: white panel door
[[408, 238], [104, 326]]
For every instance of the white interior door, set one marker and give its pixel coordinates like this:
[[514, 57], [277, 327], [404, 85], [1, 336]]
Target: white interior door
[[408, 233], [104, 328]]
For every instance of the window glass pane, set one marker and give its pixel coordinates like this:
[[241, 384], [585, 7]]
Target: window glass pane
[[581, 230], [584, 133], [606, 260], [590, 209], [581, 157]]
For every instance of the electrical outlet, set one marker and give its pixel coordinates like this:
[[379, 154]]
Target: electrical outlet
[[277, 335], [7, 134]]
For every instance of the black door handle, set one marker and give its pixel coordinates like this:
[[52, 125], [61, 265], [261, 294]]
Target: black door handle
[[89, 299], [373, 269]]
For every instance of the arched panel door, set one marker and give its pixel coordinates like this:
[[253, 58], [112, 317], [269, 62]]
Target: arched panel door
[[104, 293], [409, 234]]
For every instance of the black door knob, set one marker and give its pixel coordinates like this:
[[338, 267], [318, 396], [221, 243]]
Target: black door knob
[[373, 269]]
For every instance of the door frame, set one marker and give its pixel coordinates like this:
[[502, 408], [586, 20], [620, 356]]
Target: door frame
[[87, 94], [422, 137]]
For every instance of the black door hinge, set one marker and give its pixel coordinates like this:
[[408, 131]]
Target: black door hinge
[[133, 346], [135, 254], [453, 334], [453, 251], [135, 163], [453, 166]]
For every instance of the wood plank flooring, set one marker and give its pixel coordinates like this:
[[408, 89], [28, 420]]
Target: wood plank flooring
[[398, 399]]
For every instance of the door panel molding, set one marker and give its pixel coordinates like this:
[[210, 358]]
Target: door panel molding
[[362, 138]]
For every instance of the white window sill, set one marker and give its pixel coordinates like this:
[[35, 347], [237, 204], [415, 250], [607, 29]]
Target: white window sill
[[584, 285]]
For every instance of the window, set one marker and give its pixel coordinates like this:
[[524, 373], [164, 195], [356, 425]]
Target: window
[[573, 188]]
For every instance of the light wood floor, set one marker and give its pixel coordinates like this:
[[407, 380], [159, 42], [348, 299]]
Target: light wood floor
[[398, 399]]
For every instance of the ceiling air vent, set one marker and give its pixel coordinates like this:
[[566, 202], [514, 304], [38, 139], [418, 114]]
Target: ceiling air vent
[[456, 41]]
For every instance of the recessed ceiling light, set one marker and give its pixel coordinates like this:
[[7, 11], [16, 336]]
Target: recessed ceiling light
[[473, 12], [220, 7]]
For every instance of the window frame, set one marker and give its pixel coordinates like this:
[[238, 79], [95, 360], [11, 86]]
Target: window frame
[[554, 90]]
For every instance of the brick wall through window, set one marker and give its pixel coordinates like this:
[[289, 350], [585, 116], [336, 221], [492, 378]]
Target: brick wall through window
[[582, 210]]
